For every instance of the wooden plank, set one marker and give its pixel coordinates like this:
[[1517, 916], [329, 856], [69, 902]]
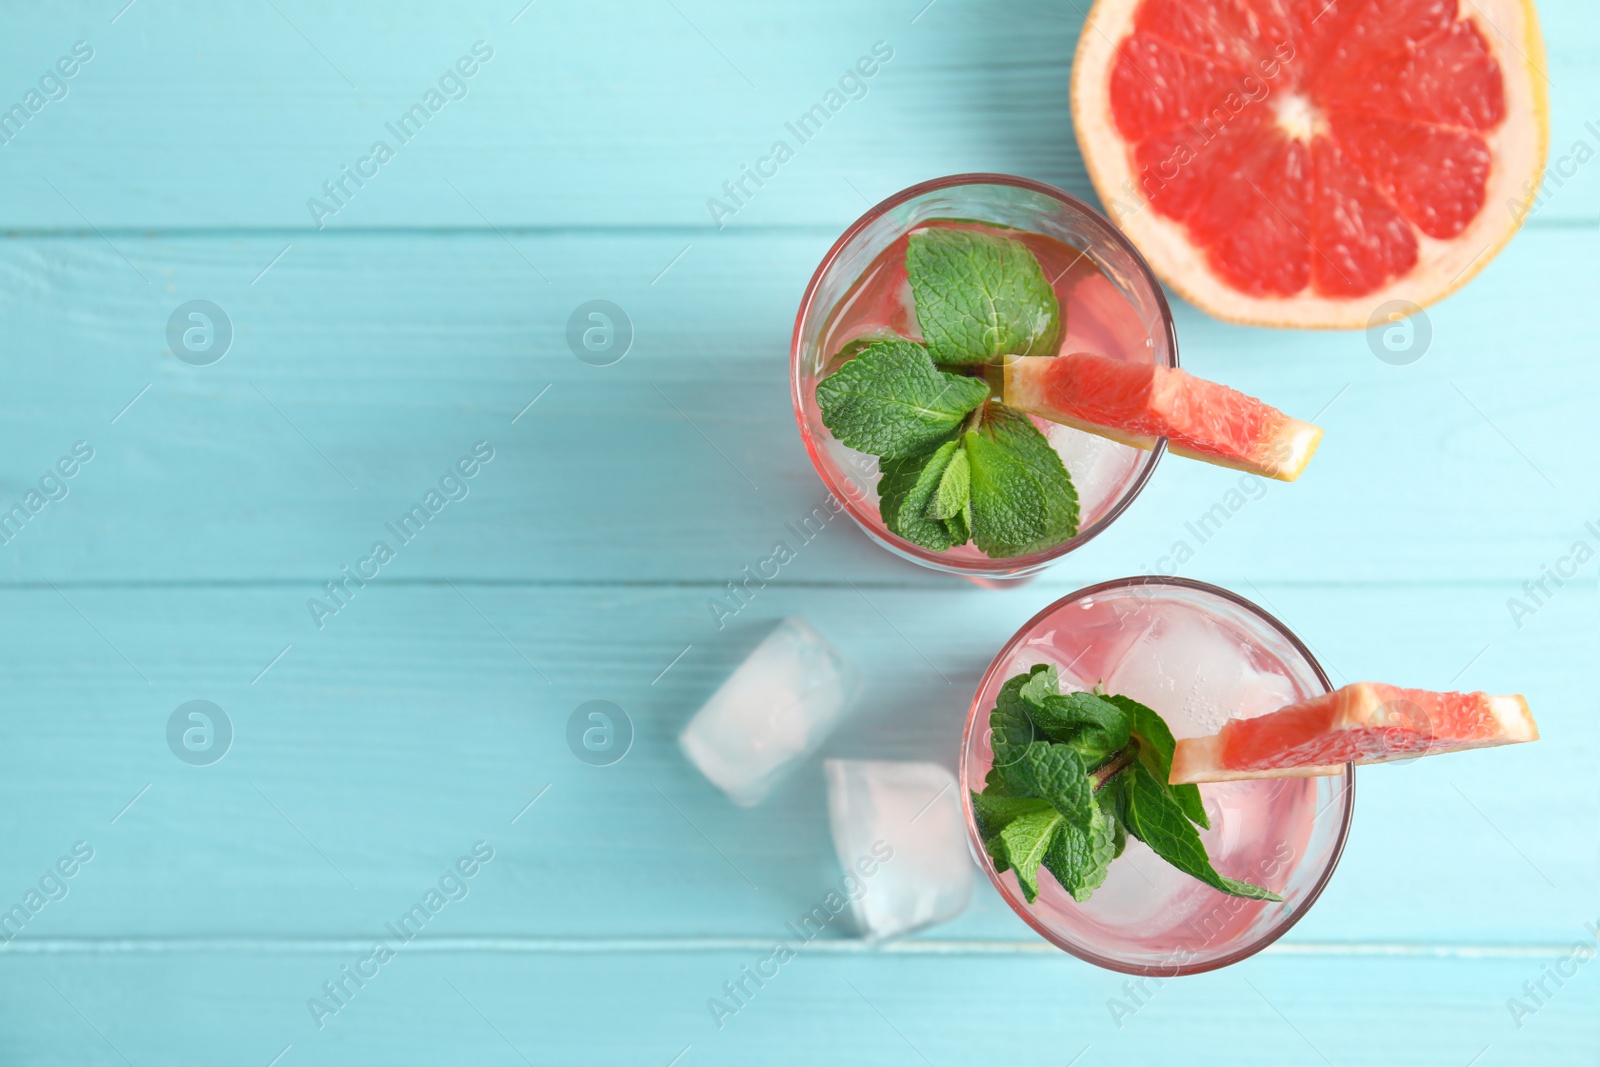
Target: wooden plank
[[598, 114], [419, 720], [363, 367], [426, 1006]]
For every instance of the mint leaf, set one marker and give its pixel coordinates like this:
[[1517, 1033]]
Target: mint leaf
[[1010, 733], [994, 813], [1016, 431], [1024, 842], [1112, 804], [1154, 817], [1043, 682], [891, 401], [1059, 776], [1156, 746], [980, 296], [1008, 511], [960, 525], [1094, 727], [955, 489], [1023, 500], [1079, 858], [905, 490]]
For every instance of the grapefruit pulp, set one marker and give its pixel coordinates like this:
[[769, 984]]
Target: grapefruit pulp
[[1303, 162], [1136, 403], [1366, 722]]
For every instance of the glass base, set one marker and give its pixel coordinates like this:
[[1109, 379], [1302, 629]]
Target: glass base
[[1000, 583]]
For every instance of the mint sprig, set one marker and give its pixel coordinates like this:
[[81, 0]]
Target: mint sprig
[[956, 464], [1073, 775]]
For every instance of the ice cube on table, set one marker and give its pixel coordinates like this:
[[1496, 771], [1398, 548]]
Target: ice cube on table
[[1099, 467], [1196, 674], [772, 712], [899, 830]]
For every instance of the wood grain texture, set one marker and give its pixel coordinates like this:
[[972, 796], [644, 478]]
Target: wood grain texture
[[427, 714]]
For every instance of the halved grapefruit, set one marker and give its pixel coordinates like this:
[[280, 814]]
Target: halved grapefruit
[[1304, 162], [1367, 722], [1136, 403]]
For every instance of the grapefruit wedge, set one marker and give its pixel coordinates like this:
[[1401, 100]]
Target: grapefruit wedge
[[1306, 162], [1136, 403], [1367, 722]]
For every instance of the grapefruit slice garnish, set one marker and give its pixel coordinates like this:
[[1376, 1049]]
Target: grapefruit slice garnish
[[1303, 162], [1367, 722], [1136, 403]]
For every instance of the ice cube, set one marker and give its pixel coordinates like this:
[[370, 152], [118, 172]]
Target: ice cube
[[772, 712], [899, 831], [859, 468], [1197, 673], [1029, 655], [1099, 466]]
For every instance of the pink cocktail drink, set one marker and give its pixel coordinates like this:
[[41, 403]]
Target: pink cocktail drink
[[1099, 318], [1110, 305], [1197, 655]]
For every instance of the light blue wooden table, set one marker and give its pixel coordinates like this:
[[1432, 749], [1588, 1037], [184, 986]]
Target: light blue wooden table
[[427, 312]]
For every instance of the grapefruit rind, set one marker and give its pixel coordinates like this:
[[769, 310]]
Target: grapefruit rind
[[1197, 759], [1282, 456], [1518, 148], [1281, 453], [1361, 708], [1515, 717]]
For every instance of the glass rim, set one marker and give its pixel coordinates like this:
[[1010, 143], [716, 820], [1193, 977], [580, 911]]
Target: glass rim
[[1009, 567], [1163, 970]]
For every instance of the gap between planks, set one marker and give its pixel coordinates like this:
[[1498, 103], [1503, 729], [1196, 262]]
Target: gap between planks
[[826, 229], [536, 946], [915, 583]]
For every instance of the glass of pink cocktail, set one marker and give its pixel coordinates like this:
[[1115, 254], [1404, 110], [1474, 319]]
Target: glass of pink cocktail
[[1197, 655], [1110, 304]]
